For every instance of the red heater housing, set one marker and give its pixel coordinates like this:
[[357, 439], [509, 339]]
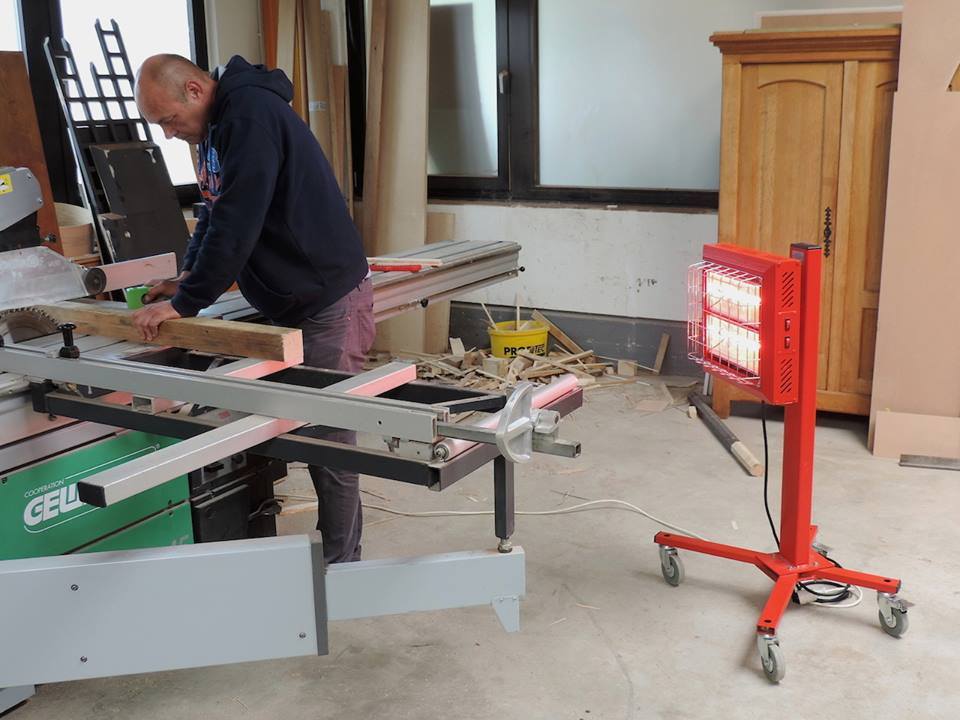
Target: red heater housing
[[755, 320], [744, 320]]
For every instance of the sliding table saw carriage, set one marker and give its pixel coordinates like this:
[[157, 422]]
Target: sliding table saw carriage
[[119, 461]]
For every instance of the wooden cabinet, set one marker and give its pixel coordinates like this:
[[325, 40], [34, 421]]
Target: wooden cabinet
[[805, 141]]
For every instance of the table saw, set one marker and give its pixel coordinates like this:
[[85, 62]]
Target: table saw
[[114, 456]]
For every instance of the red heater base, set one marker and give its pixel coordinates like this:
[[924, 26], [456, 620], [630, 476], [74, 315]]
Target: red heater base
[[780, 570]]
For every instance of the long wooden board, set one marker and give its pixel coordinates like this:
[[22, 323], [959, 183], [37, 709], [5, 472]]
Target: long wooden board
[[20, 144], [557, 333], [223, 337]]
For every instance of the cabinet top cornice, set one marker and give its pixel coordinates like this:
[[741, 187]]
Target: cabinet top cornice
[[884, 39]]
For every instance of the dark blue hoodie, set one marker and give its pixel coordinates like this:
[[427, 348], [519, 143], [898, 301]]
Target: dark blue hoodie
[[274, 219]]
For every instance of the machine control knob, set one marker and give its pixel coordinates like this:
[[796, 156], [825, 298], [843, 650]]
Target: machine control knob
[[69, 349]]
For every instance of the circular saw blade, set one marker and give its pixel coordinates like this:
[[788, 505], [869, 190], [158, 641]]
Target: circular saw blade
[[23, 324]]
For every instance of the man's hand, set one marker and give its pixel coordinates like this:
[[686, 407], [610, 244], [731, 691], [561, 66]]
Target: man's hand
[[147, 320], [163, 289]]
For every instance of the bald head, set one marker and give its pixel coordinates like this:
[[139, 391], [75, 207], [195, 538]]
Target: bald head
[[176, 94], [168, 72]]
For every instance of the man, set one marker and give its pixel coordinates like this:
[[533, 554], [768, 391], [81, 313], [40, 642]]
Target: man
[[275, 221]]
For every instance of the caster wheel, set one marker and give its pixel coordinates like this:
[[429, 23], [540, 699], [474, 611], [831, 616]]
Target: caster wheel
[[897, 624], [774, 665], [671, 567]]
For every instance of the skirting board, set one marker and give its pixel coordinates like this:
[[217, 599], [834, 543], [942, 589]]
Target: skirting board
[[897, 434], [609, 336]]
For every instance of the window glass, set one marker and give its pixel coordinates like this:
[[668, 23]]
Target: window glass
[[144, 34]]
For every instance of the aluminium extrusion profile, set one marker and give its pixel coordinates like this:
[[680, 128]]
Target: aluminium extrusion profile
[[380, 416], [116, 484]]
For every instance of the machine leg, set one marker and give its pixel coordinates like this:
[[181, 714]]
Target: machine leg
[[503, 502]]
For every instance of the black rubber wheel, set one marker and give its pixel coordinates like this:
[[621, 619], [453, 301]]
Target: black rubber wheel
[[673, 571], [899, 622], [774, 665]]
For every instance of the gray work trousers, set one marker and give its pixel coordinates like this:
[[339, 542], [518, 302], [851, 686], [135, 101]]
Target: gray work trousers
[[339, 338]]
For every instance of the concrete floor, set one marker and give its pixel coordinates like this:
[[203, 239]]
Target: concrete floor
[[602, 635]]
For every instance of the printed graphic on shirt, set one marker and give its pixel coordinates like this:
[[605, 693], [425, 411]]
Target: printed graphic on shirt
[[208, 173]]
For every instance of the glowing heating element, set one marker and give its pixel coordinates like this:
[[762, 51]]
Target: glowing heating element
[[736, 299], [743, 320], [733, 344]]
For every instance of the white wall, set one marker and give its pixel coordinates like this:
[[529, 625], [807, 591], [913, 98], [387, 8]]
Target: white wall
[[630, 89], [626, 262]]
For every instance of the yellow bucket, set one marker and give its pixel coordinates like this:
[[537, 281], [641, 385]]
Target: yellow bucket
[[506, 341]]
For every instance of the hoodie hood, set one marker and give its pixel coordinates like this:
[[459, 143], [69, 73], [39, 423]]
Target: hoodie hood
[[239, 73]]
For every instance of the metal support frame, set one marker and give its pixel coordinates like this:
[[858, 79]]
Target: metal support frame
[[135, 476], [504, 506], [294, 447], [381, 416], [432, 582]]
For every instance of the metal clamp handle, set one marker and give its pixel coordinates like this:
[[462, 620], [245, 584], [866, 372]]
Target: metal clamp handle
[[514, 434]]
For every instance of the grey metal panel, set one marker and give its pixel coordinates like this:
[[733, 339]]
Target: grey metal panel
[[18, 419], [434, 582], [47, 444], [141, 610], [13, 696], [404, 295], [392, 418]]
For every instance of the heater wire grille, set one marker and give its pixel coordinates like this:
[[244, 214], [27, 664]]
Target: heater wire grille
[[723, 321]]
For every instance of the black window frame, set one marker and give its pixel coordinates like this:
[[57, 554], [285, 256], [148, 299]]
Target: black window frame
[[518, 177], [40, 19]]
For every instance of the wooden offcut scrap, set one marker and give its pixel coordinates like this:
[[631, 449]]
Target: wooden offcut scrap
[[559, 335], [266, 342]]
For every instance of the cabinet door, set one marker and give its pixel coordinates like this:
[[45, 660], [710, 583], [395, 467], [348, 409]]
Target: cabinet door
[[787, 162], [858, 244]]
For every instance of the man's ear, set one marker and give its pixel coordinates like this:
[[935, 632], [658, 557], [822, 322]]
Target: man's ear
[[194, 90]]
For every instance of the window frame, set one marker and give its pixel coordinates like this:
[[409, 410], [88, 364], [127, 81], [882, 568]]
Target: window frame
[[42, 18], [518, 177]]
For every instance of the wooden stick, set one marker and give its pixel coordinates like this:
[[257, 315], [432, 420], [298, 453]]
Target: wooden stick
[[489, 317], [545, 361], [222, 337], [561, 336], [661, 352]]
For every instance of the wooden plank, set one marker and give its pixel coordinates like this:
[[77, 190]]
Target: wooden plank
[[338, 129], [399, 218], [371, 155], [546, 361], [286, 29], [661, 352], [557, 333], [223, 337], [897, 433], [269, 17], [20, 144], [319, 76]]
